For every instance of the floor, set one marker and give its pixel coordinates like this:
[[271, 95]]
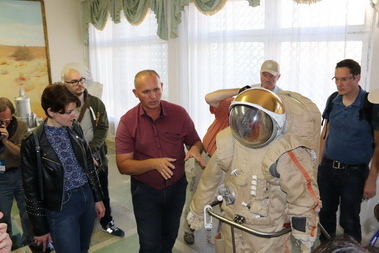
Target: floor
[[122, 211]]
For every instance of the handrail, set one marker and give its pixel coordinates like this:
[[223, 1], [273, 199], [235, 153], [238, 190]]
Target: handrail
[[210, 211]]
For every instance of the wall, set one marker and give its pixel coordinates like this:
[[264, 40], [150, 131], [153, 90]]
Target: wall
[[63, 19], [374, 74]]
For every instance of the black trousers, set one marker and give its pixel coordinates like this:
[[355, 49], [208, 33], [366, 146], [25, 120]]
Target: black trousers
[[341, 188]]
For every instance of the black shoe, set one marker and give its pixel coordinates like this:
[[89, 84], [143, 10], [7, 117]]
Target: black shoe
[[112, 229], [38, 249], [189, 238]]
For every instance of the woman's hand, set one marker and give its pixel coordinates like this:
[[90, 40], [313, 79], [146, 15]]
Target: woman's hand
[[100, 209], [43, 240]]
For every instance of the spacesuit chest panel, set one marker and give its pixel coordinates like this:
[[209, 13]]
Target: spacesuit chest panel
[[254, 196]]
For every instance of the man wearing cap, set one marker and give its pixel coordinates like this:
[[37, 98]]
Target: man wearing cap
[[219, 101], [270, 74]]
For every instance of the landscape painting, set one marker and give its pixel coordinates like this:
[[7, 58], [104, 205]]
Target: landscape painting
[[24, 58]]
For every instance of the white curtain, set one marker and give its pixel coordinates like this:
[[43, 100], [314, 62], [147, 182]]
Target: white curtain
[[226, 50]]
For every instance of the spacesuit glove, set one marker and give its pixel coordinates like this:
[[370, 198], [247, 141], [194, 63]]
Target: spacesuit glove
[[195, 221], [305, 249], [306, 242]]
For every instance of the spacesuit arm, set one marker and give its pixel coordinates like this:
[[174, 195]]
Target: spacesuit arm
[[205, 193], [297, 169]]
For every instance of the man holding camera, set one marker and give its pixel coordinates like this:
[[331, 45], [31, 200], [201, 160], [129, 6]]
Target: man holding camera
[[12, 132]]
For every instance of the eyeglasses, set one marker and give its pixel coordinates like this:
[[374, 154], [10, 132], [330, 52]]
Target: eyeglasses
[[343, 79], [2, 121], [76, 82]]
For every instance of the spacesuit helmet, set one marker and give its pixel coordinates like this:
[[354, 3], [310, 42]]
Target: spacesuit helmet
[[256, 117]]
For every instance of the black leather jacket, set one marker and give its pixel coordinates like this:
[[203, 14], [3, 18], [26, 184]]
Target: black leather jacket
[[44, 188]]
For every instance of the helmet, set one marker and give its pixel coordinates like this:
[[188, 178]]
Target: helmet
[[256, 117]]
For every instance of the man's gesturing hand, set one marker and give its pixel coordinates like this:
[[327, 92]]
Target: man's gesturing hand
[[164, 166]]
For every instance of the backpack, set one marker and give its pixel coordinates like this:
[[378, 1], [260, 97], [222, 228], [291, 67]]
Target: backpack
[[365, 113]]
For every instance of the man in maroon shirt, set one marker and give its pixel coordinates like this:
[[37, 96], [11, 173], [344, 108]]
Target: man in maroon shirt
[[150, 143]]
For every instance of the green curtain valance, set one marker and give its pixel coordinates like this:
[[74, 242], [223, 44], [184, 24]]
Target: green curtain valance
[[135, 10], [167, 13]]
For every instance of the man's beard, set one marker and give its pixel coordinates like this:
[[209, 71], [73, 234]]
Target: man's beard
[[79, 93]]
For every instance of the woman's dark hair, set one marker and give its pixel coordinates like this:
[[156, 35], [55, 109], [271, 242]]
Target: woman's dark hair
[[57, 96]]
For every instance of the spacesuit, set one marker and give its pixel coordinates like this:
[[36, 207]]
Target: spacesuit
[[266, 162]]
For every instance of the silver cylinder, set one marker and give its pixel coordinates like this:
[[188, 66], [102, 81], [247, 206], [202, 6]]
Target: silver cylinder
[[22, 105]]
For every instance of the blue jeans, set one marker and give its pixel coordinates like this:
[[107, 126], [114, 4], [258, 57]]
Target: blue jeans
[[342, 188], [71, 228], [11, 187], [157, 214]]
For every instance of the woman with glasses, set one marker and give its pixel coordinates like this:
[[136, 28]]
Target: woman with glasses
[[62, 190]]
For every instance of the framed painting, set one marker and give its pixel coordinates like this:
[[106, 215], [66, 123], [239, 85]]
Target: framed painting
[[24, 52]]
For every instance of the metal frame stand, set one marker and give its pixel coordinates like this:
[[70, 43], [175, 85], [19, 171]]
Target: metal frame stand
[[208, 209]]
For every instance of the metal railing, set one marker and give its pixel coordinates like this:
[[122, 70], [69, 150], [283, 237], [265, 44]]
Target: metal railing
[[208, 209]]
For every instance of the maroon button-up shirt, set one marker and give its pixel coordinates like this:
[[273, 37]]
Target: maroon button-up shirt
[[164, 137]]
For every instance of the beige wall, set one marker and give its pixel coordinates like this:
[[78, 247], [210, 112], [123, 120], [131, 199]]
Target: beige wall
[[63, 19]]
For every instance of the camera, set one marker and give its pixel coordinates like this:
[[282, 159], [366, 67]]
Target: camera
[[2, 125]]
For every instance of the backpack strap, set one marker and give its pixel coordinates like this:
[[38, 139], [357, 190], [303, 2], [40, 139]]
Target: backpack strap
[[366, 111], [329, 106], [84, 108]]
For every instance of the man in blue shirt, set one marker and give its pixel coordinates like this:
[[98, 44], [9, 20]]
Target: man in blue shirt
[[347, 147]]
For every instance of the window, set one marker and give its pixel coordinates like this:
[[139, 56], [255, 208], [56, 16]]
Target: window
[[225, 50]]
